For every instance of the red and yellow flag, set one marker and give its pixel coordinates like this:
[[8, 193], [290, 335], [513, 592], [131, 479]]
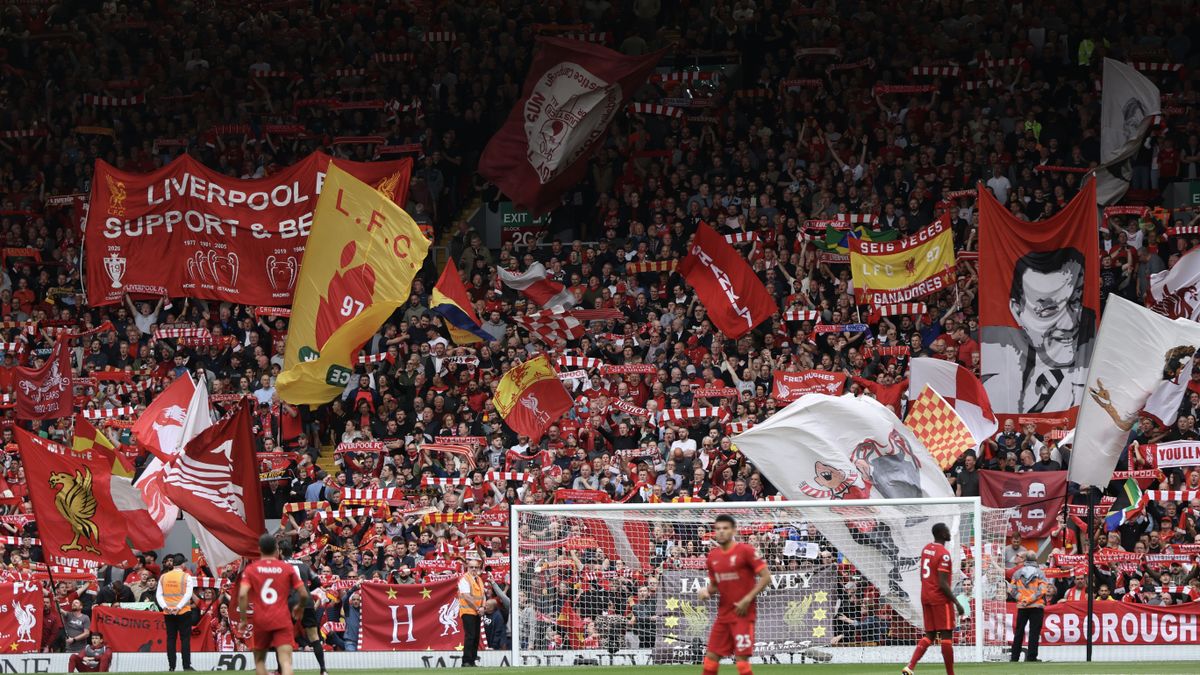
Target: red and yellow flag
[[362, 255], [938, 426], [530, 397], [144, 532]]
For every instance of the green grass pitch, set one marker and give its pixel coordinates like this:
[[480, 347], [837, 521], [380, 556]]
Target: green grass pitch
[[932, 668]]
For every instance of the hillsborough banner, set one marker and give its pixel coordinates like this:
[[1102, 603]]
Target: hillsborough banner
[[803, 602], [1034, 498], [1116, 623], [188, 230], [788, 387], [410, 617], [21, 618], [365, 253], [137, 630], [1039, 300], [887, 272]]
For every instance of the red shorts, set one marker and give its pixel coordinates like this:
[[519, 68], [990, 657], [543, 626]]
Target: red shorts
[[265, 639], [938, 617], [732, 637]]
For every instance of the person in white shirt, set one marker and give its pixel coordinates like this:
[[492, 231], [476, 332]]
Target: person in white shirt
[[999, 185]]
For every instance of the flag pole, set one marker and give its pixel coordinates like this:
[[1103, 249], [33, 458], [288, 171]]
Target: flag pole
[[49, 572], [1091, 540]]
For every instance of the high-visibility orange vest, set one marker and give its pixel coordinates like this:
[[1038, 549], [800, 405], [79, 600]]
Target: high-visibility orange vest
[[465, 607], [1031, 591], [175, 595]]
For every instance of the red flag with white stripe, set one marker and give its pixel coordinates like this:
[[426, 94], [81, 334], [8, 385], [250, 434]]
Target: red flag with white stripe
[[960, 388]]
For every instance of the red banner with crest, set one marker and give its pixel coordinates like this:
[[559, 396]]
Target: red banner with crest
[[410, 617]]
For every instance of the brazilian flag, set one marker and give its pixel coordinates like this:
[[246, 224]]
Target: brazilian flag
[[838, 241]]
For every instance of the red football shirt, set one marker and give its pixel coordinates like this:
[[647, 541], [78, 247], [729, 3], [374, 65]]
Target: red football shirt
[[935, 559], [733, 572], [270, 582]]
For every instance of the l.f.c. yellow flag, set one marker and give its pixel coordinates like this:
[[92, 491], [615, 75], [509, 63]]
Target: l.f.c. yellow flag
[[362, 255]]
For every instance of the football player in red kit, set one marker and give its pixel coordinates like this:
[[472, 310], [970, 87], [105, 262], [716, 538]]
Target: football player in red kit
[[937, 600], [269, 580], [737, 575]]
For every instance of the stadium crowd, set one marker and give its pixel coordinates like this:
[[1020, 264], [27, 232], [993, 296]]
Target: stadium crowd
[[786, 137]]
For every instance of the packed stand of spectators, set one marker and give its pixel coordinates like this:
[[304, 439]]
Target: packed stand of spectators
[[210, 75]]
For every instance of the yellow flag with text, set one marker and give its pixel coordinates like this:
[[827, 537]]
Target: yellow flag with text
[[362, 255]]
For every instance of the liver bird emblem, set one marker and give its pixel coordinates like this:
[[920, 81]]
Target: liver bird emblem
[[77, 504]]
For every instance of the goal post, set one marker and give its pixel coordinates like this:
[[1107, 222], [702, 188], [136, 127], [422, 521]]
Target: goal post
[[617, 583]]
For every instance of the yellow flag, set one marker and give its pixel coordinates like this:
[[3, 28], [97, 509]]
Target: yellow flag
[[362, 254]]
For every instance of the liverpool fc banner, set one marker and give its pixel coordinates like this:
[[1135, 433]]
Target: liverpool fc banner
[[887, 272], [1117, 624], [21, 620], [410, 617], [186, 230], [364, 252], [72, 500], [1039, 299]]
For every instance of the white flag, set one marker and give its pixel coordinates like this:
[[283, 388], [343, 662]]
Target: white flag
[[199, 418], [1122, 379], [830, 447], [533, 284], [1128, 105], [960, 388], [1174, 292]]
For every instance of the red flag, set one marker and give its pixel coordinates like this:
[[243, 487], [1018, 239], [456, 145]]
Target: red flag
[[530, 397], [160, 427], [572, 92], [215, 480], [72, 500], [45, 392], [410, 617], [1035, 498], [735, 298], [138, 630], [21, 628]]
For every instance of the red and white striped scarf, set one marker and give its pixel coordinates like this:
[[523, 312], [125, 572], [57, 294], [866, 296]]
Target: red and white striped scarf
[[680, 414], [654, 109], [651, 266], [579, 362], [103, 413], [113, 101], [802, 315]]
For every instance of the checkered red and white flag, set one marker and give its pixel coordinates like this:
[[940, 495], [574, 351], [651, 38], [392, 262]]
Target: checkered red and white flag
[[552, 327], [934, 422]]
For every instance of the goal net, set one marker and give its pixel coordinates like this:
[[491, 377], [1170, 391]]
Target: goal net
[[612, 583]]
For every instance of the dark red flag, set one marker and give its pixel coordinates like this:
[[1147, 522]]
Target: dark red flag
[[572, 92], [45, 393], [1035, 498], [215, 481], [735, 298], [410, 617]]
